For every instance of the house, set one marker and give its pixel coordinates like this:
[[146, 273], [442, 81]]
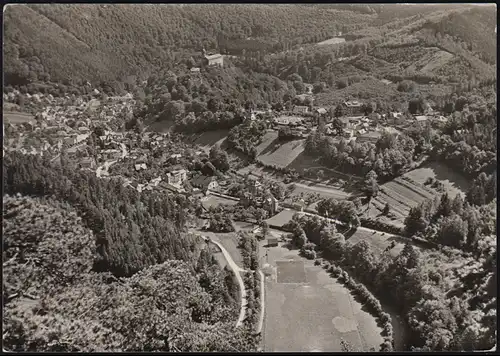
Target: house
[[309, 88], [254, 184], [69, 141], [140, 166], [112, 153], [87, 163], [421, 118], [195, 70], [213, 59], [353, 107], [272, 242], [271, 204], [177, 177], [205, 183], [288, 120], [300, 109]]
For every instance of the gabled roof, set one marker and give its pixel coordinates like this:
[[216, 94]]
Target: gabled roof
[[213, 56], [202, 181]]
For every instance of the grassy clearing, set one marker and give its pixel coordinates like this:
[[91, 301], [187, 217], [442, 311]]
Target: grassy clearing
[[267, 140], [281, 218], [281, 154], [17, 117], [331, 41], [214, 201], [453, 182], [378, 241], [323, 190], [209, 138], [314, 313], [230, 242]]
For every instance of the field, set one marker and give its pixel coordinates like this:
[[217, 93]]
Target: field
[[323, 190], [209, 138], [269, 138], [280, 154], [454, 182], [230, 242], [403, 195], [331, 41], [214, 201], [281, 218], [17, 117], [307, 310], [378, 242]]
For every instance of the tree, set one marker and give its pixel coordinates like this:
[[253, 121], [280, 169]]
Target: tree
[[339, 110], [370, 184], [416, 106], [387, 209], [219, 158], [265, 229]]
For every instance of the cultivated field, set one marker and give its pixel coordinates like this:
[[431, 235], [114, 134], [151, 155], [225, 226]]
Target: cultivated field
[[454, 182], [325, 191], [17, 117], [307, 310], [331, 41], [403, 195]]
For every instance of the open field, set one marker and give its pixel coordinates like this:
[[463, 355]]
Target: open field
[[230, 242], [331, 41], [209, 138], [307, 310], [214, 201], [281, 154], [13, 117], [281, 218], [325, 191], [161, 126], [378, 241], [403, 195], [269, 138], [454, 182]]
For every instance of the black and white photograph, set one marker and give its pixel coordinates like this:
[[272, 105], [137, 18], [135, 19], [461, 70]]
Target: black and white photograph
[[203, 177]]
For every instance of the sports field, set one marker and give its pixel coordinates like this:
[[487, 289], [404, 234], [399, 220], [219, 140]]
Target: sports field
[[307, 310]]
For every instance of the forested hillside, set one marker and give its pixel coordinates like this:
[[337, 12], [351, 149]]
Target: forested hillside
[[109, 42], [54, 302]]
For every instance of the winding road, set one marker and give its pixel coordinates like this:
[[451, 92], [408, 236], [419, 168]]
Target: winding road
[[236, 269]]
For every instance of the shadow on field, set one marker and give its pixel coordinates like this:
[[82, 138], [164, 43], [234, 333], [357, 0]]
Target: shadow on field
[[272, 147]]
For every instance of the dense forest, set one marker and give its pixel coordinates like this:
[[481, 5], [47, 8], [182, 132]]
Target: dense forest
[[50, 299], [136, 41], [111, 42], [154, 223]]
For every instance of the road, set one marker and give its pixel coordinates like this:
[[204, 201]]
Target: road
[[236, 270], [262, 302]]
